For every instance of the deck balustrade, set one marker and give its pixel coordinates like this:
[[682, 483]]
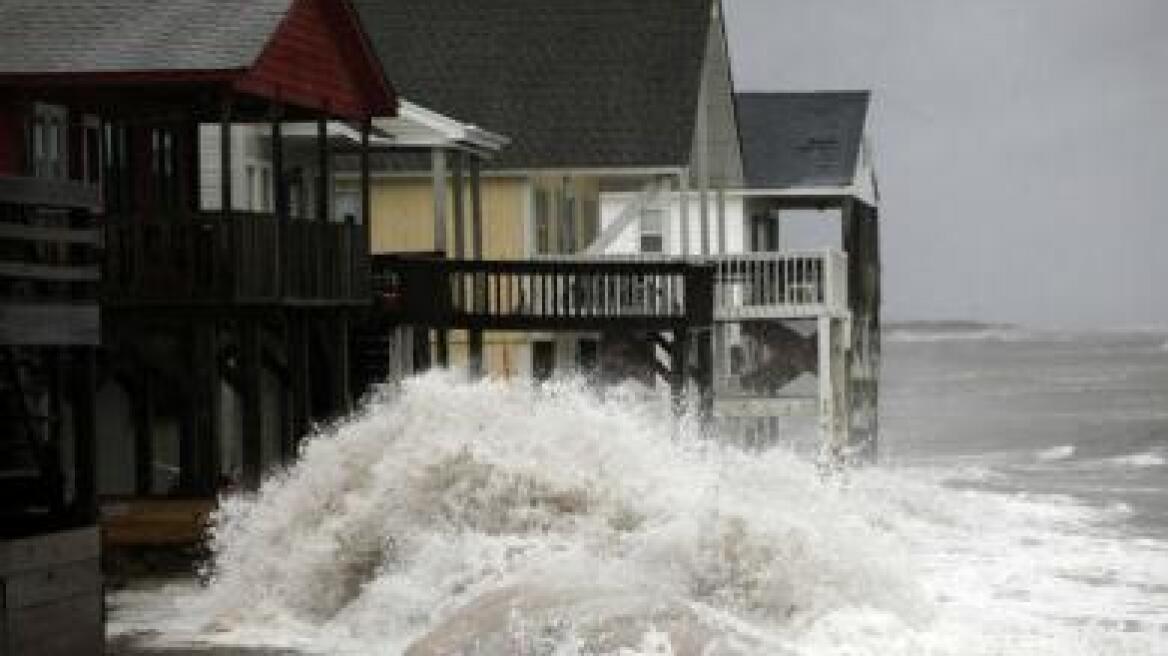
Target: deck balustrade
[[533, 294], [247, 258]]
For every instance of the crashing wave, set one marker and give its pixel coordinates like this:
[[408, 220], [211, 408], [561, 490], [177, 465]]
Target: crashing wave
[[503, 518]]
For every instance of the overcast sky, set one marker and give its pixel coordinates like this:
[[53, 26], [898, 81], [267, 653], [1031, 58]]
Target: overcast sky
[[1022, 145]]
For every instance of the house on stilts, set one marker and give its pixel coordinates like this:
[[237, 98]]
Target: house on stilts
[[632, 165], [156, 339]]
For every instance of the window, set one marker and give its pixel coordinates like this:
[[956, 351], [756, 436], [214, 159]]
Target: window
[[652, 230], [47, 129], [347, 205], [164, 167]]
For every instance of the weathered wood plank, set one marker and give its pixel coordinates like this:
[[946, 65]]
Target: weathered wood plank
[[49, 273], [42, 551], [22, 232], [65, 627], [50, 324], [765, 407], [154, 522], [42, 586], [49, 193]]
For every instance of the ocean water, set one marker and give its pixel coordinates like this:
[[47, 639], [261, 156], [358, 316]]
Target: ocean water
[[1021, 507]]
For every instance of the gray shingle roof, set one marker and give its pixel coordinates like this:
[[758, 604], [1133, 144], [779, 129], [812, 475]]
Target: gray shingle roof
[[573, 83], [63, 36], [801, 139]]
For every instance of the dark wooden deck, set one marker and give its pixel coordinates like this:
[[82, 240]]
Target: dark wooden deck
[[50, 269], [247, 259], [544, 295]]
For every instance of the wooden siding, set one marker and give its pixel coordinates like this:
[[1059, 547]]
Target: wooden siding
[[317, 60], [403, 217], [50, 594], [11, 141], [403, 220]]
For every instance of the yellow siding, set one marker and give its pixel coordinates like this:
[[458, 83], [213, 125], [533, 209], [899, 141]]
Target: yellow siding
[[403, 220], [403, 217]]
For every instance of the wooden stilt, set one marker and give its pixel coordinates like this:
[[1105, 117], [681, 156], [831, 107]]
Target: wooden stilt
[[677, 368], [250, 398], [85, 434], [342, 367], [144, 435]]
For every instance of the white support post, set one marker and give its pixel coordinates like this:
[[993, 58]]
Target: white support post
[[721, 200], [833, 424]]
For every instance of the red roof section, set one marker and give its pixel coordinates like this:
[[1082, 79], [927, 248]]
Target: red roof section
[[319, 58]]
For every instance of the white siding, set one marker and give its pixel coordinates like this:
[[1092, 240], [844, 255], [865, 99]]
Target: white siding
[[628, 241]]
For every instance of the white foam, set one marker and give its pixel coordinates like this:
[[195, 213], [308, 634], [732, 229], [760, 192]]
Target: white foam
[[497, 514], [1140, 460], [1056, 453]]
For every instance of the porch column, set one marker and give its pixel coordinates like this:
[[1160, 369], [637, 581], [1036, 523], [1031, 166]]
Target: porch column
[[85, 434], [251, 400], [359, 277], [438, 165], [279, 205], [475, 337], [720, 200], [366, 181], [325, 176], [231, 267], [459, 219], [683, 202], [704, 208], [833, 420], [476, 207]]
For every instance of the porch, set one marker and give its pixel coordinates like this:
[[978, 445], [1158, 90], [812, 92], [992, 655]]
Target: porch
[[245, 258]]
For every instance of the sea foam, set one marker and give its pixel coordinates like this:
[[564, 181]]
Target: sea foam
[[499, 518]]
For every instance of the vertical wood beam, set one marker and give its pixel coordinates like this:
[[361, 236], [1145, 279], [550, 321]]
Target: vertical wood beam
[[683, 201], [207, 402], [217, 269], [324, 167], [225, 157], [721, 218], [144, 435], [459, 215], [85, 434], [438, 165], [251, 400], [280, 204], [476, 207], [342, 390], [475, 337], [366, 182], [677, 369]]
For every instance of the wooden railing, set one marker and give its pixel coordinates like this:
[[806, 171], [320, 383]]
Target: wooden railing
[[248, 258], [774, 285], [49, 263], [534, 295], [781, 285]]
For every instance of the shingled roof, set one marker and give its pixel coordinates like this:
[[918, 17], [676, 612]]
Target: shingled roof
[[801, 139], [60, 36], [573, 83]]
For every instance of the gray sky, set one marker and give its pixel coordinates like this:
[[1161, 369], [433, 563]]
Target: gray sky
[[1022, 145]]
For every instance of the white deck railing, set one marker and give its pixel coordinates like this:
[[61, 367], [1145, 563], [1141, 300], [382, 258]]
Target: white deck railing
[[776, 285], [780, 285]]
